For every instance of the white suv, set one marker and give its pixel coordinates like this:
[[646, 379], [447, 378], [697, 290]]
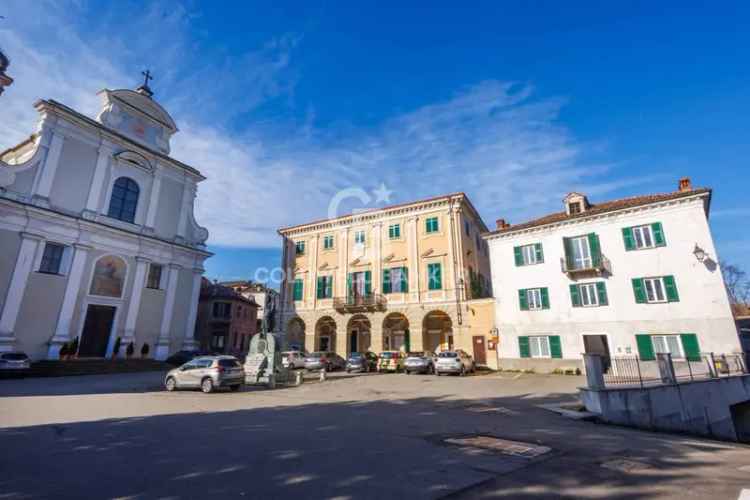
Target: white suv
[[457, 361]]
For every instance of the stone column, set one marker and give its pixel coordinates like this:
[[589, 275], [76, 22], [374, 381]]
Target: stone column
[[414, 262], [16, 289], [63, 332], [311, 294], [162, 345], [49, 169], [139, 282], [189, 342], [153, 203], [415, 338], [376, 334], [342, 340], [97, 183]]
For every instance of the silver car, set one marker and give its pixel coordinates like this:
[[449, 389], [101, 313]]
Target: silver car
[[206, 373], [420, 362], [293, 359], [14, 361], [457, 361]]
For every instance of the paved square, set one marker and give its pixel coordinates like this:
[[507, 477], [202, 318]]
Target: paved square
[[372, 436]]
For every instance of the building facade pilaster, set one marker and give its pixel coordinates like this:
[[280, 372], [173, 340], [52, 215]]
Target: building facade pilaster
[[162, 345], [153, 203], [97, 183], [12, 305], [73, 285], [40, 195], [139, 282], [189, 342]]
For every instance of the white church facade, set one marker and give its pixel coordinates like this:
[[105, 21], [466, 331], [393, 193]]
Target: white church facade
[[97, 235]]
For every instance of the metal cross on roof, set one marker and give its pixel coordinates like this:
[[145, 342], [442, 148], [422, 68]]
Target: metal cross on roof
[[146, 77]]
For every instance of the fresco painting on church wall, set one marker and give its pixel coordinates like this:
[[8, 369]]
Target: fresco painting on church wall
[[109, 276]]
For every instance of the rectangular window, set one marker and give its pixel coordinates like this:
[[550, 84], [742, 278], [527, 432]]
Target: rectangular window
[[534, 298], [655, 291], [52, 258], [325, 287], [589, 296], [581, 252], [539, 347], [434, 276], [154, 276], [359, 237], [298, 287], [668, 344], [431, 225], [643, 237], [467, 228], [394, 231], [299, 248], [222, 310], [328, 242], [527, 255], [574, 208]]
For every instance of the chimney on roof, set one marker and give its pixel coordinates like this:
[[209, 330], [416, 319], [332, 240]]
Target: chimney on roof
[[685, 185], [501, 224]]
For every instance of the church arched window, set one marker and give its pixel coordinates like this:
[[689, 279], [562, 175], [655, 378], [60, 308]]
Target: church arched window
[[124, 200]]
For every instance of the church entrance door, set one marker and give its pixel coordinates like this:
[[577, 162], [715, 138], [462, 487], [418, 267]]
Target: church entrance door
[[96, 331]]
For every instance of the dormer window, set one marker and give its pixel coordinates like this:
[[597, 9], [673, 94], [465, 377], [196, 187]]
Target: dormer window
[[575, 203]]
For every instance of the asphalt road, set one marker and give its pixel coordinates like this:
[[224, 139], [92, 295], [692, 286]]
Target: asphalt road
[[373, 436]]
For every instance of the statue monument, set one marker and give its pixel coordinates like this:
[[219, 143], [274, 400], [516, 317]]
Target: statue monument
[[263, 362]]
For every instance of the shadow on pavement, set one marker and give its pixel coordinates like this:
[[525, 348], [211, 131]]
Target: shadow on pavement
[[364, 449]]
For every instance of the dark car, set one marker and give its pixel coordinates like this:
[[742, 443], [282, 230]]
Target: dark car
[[324, 359], [420, 362], [181, 357], [361, 362]]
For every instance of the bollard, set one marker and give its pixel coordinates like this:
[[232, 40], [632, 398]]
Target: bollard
[[272, 381], [323, 375], [299, 378]]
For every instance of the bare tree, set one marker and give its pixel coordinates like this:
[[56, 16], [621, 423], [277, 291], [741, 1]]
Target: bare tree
[[737, 283]]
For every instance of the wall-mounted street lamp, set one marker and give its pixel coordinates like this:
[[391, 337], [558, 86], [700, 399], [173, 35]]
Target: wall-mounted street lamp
[[700, 254]]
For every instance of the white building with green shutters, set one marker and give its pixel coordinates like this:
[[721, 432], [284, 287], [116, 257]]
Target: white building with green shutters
[[634, 276]]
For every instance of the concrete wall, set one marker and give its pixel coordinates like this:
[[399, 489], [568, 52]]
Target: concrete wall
[[74, 173], [37, 318], [10, 242], [168, 216], [703, 307], [701, 407]]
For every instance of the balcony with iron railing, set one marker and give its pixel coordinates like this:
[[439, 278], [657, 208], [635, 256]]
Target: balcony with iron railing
[[596, 265], [360, 303]]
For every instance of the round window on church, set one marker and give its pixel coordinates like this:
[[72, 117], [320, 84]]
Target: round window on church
[[109, 277]]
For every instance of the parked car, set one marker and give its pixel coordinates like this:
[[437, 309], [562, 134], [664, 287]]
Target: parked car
[[391, 361], [324, 359], [361, 362], [14, 361], [420, 362], [207, 373], [457, 361], [293, 359], [181, 357]]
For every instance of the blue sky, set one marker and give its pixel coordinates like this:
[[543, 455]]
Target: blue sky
[[283, 105]]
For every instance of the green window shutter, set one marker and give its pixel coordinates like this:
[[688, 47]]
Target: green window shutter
[[575, 296], [349, 289], [523, 347], [387, 281], [321, 287], [555, 346], [368, 282], [569, 264], [518, 255], [545, 297], [671, 287], [523, 300], [690, 346], [601, 292], [596, 250], [404, 279], [397, 231], [298, 289], [639, 290], [645, 347], [627, 236], [539, 252], [658, 234]]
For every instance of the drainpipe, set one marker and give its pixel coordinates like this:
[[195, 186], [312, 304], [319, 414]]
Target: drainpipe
[[457, 289]]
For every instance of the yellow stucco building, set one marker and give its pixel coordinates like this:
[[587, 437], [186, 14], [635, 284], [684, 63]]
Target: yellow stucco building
[[408, 277]]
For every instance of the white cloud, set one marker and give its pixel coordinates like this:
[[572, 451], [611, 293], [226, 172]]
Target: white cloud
[[493, 140]]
